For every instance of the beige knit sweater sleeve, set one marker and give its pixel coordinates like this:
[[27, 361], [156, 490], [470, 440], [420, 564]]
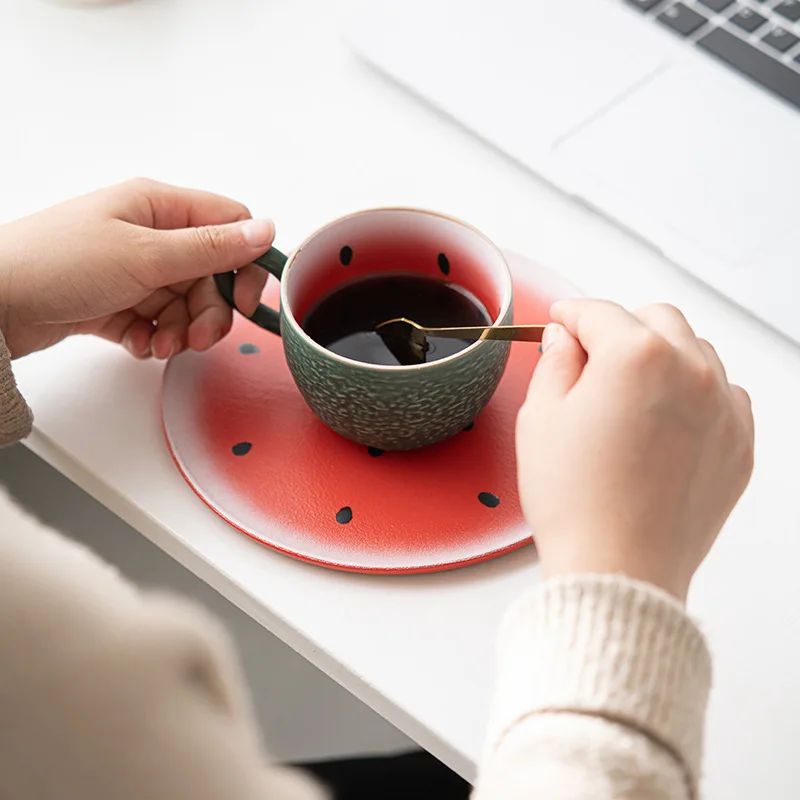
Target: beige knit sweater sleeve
[[107, 691], [601, 693], [15, 416]]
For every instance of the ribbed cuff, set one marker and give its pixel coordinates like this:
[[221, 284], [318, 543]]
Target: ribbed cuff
[[16, 418], [610, 647]]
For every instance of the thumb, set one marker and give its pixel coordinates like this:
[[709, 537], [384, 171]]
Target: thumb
[[190, 253], [561, 364]]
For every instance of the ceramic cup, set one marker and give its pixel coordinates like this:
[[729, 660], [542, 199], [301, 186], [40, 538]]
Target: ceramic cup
[[388, 407]]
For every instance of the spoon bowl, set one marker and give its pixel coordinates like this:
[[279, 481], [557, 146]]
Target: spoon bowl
[[408, 341]]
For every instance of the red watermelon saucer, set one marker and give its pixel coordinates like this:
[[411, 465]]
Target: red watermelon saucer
[[245, 441]]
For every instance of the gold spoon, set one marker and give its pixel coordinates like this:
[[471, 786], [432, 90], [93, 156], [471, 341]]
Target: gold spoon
[[408, 341]]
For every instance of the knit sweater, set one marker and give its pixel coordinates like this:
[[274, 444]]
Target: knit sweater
[[107, 691]]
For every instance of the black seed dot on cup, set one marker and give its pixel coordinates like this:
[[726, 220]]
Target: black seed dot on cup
[[346, 255], [470, 426], [241, 449], [444, 264], [344, 515], [247, 349], [489, 500], [540, 350], [375, 451]]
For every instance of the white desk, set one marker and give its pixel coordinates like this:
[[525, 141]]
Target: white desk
[[260, 100]]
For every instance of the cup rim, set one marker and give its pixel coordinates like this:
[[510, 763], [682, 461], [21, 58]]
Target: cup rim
[[288, 314]]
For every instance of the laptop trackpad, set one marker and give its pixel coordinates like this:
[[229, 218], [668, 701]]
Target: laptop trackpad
[[708, 161]]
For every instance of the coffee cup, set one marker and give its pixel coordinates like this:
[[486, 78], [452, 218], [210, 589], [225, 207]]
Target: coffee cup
[[390, 407]]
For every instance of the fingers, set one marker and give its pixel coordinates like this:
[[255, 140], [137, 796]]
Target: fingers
[[211, 317], [596, 324], [171, 327], [562, 363], [190, 253], [177, 238], [127, 328], [713, 359], [138, 339], [741, 399], [185, 234], [185, 315], [158, 205], [248, 287], [669, 323], [744, 407]]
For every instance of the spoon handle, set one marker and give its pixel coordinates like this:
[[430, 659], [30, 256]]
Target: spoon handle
[[505, 333]]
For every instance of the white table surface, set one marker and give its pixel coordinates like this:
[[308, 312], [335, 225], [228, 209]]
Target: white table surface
[[261, 100]]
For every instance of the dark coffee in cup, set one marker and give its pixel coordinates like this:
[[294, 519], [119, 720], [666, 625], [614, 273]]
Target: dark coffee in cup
[[367, 268], [344, 321]]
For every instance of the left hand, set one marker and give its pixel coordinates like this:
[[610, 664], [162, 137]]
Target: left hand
[[133, 264]]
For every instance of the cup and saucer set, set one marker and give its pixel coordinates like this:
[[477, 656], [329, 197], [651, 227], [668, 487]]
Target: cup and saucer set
[[303, 431]]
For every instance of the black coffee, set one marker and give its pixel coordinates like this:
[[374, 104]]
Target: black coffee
[[344, 322]]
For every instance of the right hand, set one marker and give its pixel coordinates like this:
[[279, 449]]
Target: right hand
[[633, 448]]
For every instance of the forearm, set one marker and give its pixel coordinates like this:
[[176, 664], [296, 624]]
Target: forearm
[[602, 691]]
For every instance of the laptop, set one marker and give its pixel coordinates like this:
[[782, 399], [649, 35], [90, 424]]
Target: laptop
[[678, 120]]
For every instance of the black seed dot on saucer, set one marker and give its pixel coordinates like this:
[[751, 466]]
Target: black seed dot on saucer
[[375, 451], [489, 500], [444, 264], [344, 515], [346, 255], [241, 449], [247, 349], [470, 426]]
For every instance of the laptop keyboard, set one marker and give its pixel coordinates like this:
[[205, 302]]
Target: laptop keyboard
[[759, 38]]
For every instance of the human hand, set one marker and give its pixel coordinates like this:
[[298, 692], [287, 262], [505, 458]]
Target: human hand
[[633, 448], [131, 263]]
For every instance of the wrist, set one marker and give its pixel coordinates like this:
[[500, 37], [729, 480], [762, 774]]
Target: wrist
[[655, 572]]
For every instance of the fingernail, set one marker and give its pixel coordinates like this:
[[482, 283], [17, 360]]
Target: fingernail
[[258, 232], [136, 352], [551, 333]]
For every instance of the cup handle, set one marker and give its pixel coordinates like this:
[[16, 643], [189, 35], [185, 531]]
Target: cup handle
[[273, 261]]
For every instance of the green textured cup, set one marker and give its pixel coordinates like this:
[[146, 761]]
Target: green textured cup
[[388, 407]]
